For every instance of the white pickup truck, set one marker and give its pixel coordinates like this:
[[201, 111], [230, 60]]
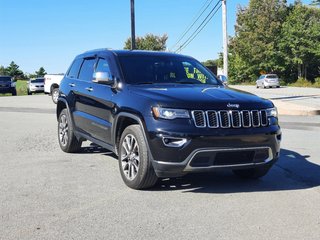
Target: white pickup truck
[[51, 85]]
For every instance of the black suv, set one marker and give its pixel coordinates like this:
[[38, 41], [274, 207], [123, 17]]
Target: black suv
[[7, 85], [164, 115]]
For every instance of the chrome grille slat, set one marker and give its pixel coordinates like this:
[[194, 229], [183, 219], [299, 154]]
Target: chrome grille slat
[[235, 119], [263, 118], [230, 118], [213, 120], [224, 118], [255, 118], [199, 118], [246, 118]]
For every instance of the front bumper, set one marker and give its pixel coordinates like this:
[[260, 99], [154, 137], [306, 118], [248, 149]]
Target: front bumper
[[36, 89], [210, 149], [6, 89]]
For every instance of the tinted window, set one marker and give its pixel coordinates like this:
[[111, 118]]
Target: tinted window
[[38, 80], [74, 70], [86, 70], [272, 76], [103, 66], [165, 69], [5, 79]]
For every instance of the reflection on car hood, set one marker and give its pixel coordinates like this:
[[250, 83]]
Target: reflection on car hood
[[199, 96]]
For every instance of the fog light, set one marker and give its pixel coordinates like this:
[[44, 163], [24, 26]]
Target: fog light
[[173, 142]]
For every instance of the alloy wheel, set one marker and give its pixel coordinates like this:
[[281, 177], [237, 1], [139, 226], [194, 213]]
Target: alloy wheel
[[130, 159], [63, 130]]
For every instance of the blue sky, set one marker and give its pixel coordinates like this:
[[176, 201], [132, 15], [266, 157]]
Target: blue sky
[[50, 33]]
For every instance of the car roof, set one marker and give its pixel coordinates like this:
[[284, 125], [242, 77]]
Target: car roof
[[130, 53]]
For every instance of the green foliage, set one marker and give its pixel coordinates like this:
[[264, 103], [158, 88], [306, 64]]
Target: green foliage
[[273, 37], [21, 87], [210, 63], [253, 48], [300, 38], [315, 2], [3, 70], [149, 42], [14, 71], [41, 72]]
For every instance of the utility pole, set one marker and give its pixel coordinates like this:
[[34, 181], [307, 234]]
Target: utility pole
[[225, 37], [133, 30]]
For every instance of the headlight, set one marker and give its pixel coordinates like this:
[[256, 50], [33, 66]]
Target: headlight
[[272, 112], [169, 113]]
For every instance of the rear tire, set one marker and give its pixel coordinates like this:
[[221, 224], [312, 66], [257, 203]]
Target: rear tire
[[67, 140], [14, 92], [55, 95], [134, 162], [252, 173]]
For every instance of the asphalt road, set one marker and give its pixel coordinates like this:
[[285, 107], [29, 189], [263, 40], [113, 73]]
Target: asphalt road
[[48, 194]]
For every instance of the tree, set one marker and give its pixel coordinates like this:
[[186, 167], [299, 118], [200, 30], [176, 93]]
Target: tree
[[254, 47], [3, 70], [41, 72], [300, 40], [13, 70], [149, 42], [315, 2]]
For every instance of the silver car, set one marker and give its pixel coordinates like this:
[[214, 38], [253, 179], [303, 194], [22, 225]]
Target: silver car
[[35, 86], [268, 81]]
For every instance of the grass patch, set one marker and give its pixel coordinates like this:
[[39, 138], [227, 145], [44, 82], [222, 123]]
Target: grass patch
[[22, 86], [301, 82]]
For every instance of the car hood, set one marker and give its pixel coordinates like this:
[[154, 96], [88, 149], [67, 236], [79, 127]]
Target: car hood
[[199, 97]]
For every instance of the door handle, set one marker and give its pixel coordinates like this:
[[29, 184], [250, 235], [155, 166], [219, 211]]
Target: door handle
[[72, 85], [90, 89]]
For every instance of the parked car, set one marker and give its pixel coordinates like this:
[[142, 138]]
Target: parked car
[[7, 85], [160, 120], [51, 85], [35, 86], [268, 80]]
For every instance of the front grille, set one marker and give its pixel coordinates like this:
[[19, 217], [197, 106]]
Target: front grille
[[230, 118]]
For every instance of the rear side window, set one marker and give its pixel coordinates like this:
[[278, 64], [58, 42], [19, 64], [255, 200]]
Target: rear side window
[[74, 70], [87, 68]]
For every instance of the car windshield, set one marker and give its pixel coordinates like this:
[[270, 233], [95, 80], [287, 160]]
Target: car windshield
[[165, 69], [5, 79], [272, 76], [38, 80]]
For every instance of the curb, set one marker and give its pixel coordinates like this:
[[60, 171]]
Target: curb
[[285, 108]]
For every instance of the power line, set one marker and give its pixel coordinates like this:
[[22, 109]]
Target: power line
[[200, 27], [195, 19]]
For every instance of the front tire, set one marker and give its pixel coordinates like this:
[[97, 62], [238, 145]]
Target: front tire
[[14, 92], [134, 162], [252, 173], [67, 140], [55, 95]]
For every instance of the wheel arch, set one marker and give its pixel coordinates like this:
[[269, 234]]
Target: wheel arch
[[53, 86], [122, 121]]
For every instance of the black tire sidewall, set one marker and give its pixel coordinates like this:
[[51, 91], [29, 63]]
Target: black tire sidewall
[[145, 163], [66, 148]]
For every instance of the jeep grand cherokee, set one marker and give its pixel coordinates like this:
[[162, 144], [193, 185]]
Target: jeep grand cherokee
[[164, 115]]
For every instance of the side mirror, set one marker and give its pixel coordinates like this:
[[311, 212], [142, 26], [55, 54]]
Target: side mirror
[[102, 77], [223, 79]]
